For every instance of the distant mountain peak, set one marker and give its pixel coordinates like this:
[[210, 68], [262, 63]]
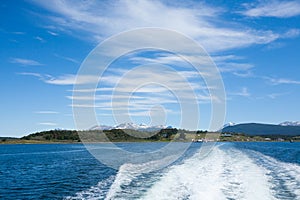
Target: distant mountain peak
[[264, 129], [290, 123], [130, 125], [101, 127], [229, 124]]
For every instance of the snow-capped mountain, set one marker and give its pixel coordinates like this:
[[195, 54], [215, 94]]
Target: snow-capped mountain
[[142, 127], [129, 126], [102, 127], [229, 124], [290, 123]]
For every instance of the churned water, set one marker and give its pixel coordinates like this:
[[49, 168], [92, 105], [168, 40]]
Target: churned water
[[230, 171]]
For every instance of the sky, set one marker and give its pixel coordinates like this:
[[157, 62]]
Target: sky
[[254, 44]]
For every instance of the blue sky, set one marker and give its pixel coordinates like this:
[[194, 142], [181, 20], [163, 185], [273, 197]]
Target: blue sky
[[255, 45]]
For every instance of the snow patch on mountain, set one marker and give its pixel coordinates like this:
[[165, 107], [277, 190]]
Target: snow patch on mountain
[[102, 127], [133, 126], [290, 123], [229, 124]]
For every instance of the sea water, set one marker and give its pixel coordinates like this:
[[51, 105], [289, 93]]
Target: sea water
[[262, 170]]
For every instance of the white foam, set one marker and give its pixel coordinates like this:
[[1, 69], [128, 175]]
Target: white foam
[[129, 173], [223, 174], [95, 192], [285, 176]]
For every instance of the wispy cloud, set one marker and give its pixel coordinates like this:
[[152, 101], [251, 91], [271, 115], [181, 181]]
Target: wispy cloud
[[40, 76], [275, 95], [291, 33], [151, 86], [243, 93], [53, 33], [273, 8], [71, 79], [245, 74], [26, 62], [222, 58], [199, 21], [234, 67], [67, 58], [46, 112], [226, 64], [18, 33], [66, 79], [40, 39], [278, 81], [47, 124]]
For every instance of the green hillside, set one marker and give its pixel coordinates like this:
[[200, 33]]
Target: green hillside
[[102, 136]]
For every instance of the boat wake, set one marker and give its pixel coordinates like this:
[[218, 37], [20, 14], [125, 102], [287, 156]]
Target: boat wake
[[225, 173]]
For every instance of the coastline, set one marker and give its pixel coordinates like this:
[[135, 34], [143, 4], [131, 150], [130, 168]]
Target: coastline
[[119, 136], [76, 142]]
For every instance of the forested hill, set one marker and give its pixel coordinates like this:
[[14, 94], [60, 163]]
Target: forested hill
[[53, 135], [97, 135], [263, 129]]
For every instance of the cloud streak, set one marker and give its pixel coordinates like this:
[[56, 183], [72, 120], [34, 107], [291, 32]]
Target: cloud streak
[[155, 85], [25, 62], [243, 93], [273, 8], [46, 112], [278, 81], [47, 124], [199, 21], [66, 79], [67, 58]]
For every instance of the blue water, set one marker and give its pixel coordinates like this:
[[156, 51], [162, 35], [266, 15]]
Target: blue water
[[228, 171]]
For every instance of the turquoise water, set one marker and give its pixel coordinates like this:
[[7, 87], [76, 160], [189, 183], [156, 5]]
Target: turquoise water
[[229, 171]]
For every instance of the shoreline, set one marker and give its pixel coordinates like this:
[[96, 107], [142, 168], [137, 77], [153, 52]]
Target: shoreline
[[83, 143]]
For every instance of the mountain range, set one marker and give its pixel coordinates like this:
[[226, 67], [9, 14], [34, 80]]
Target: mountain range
[[288, 128], [290, 123], [132, 126], [284, 129]]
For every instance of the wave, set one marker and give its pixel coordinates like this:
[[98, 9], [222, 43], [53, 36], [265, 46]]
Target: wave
[[95, 192], [41, 153], [223, 173], [285, 177]]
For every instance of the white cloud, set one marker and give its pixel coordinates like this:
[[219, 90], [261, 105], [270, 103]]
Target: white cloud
[[176, 60], [275, 95], [53, 33], [67, 58], [151, 86], [199, 21], [67, 79], [222, 58], [274, 8], [26, 62], [47, 124], [18, 33], [291, 33], [39, 39], [245, 74], [46, 112], [71, 79], [234, 67], [278, 81], [243, 93], [225, 63], [31, 74]]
